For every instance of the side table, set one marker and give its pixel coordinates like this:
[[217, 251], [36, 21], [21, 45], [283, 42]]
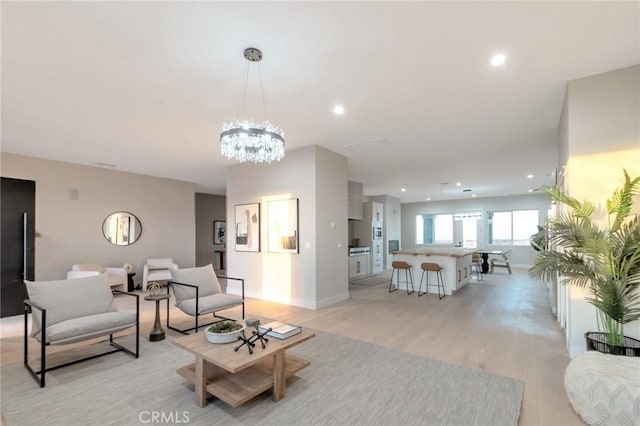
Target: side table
[[130, 284], [157, 333]]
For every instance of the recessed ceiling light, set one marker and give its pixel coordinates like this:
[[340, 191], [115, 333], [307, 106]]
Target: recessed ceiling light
[[428, 199], [338, 110], [458, 184], [498, 60], [473, 195], [403, 189], [531, 190], [529, 176]]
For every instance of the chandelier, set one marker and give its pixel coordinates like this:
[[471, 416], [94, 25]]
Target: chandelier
[[246, 140]]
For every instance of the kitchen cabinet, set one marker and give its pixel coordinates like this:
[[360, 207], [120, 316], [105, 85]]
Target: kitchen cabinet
[[370, 213], [354, 200], [364, 231], [358, 266], [376, 257], [377, 212], [463, 271], [455, 264]]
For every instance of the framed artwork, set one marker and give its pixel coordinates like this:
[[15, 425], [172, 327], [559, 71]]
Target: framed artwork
[[218, 231], [283, 226], [247, 227]]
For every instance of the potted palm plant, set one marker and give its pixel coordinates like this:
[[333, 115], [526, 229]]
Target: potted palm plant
[[604, 259], [538, 241]]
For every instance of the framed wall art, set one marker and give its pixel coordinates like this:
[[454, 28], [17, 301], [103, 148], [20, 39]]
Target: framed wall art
[[219, 231], [247, 227], [283, 226]]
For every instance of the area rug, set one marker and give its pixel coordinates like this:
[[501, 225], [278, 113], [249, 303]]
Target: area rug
[[371, 281], [348, 383]]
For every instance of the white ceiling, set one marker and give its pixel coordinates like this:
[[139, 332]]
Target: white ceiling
[[146, 86]]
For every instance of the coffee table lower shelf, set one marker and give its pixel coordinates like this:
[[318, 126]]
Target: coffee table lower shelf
[[237, 388]]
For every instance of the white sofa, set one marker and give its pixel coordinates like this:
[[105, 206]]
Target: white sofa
[[116, 275], [74, 310], [157, 269]]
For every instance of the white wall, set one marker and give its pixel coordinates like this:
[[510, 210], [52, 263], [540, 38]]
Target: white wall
[[560, 292], [521, 256], [331, 228], [71, 229], [602, 127], [318, 178], [208, 209]]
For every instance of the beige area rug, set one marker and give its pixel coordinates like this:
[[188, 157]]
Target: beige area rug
[[372, 280], [348, 383]]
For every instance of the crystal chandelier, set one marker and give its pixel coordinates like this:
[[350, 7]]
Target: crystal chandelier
[[246, 140]]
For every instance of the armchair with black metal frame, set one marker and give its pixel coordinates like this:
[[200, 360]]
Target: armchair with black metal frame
[[75, 310], [198, 292]]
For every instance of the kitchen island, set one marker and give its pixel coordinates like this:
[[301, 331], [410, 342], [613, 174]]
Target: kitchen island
[[455, 264]]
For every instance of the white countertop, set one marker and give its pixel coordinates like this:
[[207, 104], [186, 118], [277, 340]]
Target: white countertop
[[436, 251]]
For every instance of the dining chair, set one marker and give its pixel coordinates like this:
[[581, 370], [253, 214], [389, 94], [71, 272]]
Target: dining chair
[[502, 263], [476, 264]]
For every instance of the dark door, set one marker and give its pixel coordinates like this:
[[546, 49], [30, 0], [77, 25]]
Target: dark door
[[18, 209]]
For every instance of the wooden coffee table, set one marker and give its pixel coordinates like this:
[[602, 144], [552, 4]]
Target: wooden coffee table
[[236, 377]]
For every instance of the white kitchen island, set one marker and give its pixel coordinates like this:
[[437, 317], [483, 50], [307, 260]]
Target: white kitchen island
[[455, 264]]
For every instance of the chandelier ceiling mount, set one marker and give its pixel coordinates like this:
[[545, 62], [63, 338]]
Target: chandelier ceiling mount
[[246, 140]]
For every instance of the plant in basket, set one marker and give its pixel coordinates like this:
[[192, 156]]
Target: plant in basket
[[603, 258], [225, 327]]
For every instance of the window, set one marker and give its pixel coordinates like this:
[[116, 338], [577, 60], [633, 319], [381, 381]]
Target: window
[[434, 229], [512, 227], [470, 233], [466, 228]]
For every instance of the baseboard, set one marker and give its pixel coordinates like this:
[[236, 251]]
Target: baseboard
[[301, 303]]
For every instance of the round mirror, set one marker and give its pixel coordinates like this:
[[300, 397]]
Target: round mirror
[[121, 228]]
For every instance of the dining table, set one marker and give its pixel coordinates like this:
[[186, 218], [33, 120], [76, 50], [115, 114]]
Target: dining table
[[485, 258]]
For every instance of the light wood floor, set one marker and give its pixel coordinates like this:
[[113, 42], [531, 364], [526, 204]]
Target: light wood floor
[[502, 324]]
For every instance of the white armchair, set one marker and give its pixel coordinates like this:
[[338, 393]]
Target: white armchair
[[158, 269], [74, 310], [117, 275]]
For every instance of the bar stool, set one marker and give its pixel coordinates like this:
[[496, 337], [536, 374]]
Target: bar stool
[[408, 278], [432, 267], [476, 263]]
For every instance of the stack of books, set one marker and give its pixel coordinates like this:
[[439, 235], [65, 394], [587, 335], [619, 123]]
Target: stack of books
[[280, 330]]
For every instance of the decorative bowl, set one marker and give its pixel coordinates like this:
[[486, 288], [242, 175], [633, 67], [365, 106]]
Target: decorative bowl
[[227, 337]]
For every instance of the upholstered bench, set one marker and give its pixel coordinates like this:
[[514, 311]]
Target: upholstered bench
[[73, 310]]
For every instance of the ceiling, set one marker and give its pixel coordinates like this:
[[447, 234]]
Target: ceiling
[[145, 86]]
